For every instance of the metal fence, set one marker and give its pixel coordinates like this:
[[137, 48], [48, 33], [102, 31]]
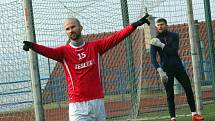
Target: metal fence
[[99, 18]]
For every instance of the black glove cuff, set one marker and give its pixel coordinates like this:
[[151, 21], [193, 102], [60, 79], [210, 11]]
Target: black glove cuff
[[141, 21], [135, 24]]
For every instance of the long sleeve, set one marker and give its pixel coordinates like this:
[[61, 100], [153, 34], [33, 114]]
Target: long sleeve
[[153, 55], [109, 42], [169, 54], [53, 53]]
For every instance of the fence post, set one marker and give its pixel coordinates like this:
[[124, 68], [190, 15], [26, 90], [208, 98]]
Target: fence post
[[194, 54], [130, 60], [199, 52], [210, 42], [33, 60]]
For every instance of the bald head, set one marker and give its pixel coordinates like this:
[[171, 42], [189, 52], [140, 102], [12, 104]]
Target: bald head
[[75, 20], [73, 28]]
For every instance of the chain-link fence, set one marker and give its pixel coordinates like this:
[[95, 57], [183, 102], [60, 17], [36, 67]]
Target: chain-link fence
[[99, 19]]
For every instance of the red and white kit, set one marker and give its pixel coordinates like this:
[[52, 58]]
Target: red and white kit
[[81, 65]]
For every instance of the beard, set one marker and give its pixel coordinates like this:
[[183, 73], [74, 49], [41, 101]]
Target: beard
[[75, 36], [163, 33]]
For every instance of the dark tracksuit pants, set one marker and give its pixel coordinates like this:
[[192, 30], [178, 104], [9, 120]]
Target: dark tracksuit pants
[[180, 74]]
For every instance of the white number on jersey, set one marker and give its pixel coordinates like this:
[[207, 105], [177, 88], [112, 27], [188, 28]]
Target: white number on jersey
[[81, 55]]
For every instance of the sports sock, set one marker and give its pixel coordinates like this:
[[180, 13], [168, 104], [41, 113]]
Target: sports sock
[[194, 113], [172, 118]]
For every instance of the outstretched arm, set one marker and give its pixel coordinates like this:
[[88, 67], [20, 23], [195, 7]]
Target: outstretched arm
[[53, 53], [141, 21], [109, 42]]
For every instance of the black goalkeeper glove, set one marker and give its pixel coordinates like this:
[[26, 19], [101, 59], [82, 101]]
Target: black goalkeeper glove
[[27, 45], [141, 21]]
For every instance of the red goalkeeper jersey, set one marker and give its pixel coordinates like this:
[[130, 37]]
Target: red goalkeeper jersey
[[81, 64]]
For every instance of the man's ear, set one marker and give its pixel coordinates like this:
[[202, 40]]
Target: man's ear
[[81, 28]]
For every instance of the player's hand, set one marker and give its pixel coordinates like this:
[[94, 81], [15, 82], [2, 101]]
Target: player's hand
[[157, 42], [27, 45], [163, 76], [141, 21]]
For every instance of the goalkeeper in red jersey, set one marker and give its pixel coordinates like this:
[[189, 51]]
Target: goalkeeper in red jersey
[[80, 61]]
